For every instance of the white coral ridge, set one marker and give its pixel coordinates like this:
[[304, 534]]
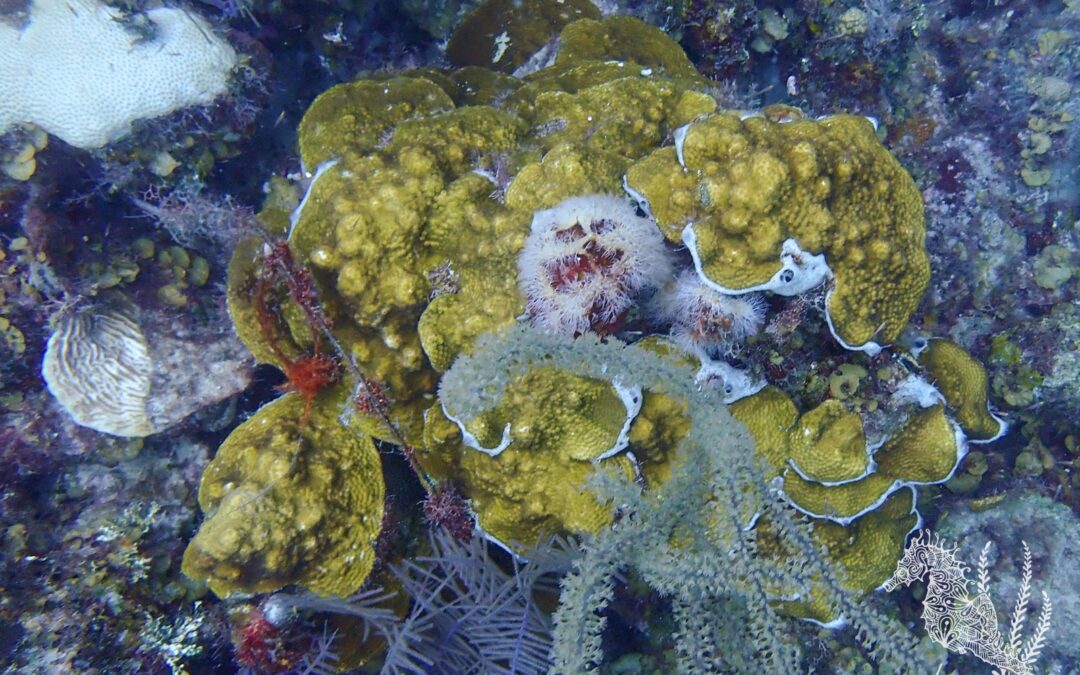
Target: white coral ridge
[[799, 271], [78, 72], [97, 365]]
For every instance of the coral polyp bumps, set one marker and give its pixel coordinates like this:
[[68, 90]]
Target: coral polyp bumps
[[417, 250]]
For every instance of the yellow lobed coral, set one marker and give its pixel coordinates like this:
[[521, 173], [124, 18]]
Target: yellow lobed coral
[[828, 471], [662, 423], [828, 445], [355, 118], [866, 550], [964, 384], [290, 498], [769, 415], [395, 198], [291, 336], [525, 463], [478, 240], [856, 498], [629, 116], [757, 201], [924, 450], [474, 85], [657, 429], [418, 209], [869, 548], [565, 171], [386, 153], [624, 39]]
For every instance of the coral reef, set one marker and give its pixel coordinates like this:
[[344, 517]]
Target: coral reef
[[95, 551], [527, 277], [404, 246]]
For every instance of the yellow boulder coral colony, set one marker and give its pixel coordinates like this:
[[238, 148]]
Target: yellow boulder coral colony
[[855, 493], [549, 429], [289, 501], [829, 471], [783, 205], [423, 190]]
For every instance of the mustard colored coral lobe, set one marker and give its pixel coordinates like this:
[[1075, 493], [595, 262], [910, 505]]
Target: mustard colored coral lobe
[[289, 500], [759, 201]]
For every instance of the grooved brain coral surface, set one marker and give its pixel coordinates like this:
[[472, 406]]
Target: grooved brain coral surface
[[76, 71], [98, 367]]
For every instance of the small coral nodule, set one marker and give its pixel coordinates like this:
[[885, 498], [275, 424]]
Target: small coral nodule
[[586, 261]]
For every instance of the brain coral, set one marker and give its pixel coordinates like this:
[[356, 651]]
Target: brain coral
[[79, 72], [97, 365]]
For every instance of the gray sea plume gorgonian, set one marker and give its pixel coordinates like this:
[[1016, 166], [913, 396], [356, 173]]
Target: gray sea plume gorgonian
[[715, 539]]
